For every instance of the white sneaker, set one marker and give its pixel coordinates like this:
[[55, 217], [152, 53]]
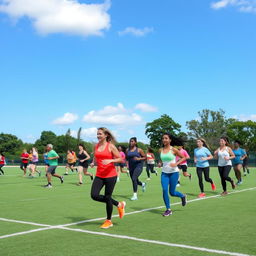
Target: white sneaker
[[134, 198], [178, 185], [118, 179]]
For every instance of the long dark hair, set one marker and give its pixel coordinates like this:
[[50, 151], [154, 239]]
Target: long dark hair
[[150, 150], [135, 139], [225, 138], [175, 141]]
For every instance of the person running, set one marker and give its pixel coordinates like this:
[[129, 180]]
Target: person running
[[120, 166], [105, 155], [245, 163], [240, 155], [224, 154], [150, 162], [2, 163], [24, 161], [183, 166], [202, 155], [135, 157], [71, 161], [52, 158], [170, 171], [83, 158], [34, 162]]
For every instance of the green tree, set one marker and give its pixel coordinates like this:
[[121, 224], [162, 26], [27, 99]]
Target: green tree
[[156, 128], [10, 143], [245, 132], [211, 125], [47, 137]]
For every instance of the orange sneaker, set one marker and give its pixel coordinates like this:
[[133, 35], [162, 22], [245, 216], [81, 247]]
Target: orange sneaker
[[121, 209], [201, 195], [213, 187], [107, 224]]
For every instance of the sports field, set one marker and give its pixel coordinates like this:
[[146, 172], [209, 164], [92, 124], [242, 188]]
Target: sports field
[[65, 221]]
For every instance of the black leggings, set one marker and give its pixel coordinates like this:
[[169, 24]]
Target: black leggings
[[135, 172], [109, 184], [224, 172], [206, 171], [150, 167], [1, 170]]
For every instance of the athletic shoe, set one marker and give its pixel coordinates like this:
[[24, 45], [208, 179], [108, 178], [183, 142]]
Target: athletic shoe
[[184, 200], [167, 213], [107, 224], [190, 176], [224, 193], [118, 179], [48, 186], [156, 172], [244, 173], [213, 186], [201, 195], [39, 174], [239, 183], [144, 186], [233, 184], [79, 183], [65, 173], [148, 179], [92, 178], [128, 173], [134, 198], [178, 185], [248, 171], [61, 179], [121, 209]]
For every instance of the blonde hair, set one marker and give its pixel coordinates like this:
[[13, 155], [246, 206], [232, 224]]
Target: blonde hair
[[108, 133]]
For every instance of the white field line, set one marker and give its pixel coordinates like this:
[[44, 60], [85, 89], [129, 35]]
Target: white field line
[[156, 242], [155, 208], [25, 222]]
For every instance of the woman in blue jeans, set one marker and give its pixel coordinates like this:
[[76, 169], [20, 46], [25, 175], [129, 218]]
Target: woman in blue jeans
[[170, 171]]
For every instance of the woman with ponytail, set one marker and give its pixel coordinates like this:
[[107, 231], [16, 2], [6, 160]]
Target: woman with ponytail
[[170, 171], [201, 157]]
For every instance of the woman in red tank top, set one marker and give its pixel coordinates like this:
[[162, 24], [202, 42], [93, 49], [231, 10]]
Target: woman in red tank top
[[105, 155]]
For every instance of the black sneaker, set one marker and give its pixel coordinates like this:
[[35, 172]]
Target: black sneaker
[[248, 171], [61, 179], [91, 177], [184, 200], [48, 186], [190, 176]]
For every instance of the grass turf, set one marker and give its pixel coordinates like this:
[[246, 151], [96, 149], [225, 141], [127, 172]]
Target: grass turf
[[221, 223]]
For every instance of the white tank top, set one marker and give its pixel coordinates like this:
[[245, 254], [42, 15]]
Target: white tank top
[[221, 160]]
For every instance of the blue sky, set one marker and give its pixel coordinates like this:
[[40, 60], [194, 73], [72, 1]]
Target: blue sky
[[61, 68]]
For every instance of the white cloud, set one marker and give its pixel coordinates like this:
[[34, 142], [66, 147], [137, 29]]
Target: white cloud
[[241, 5], [244, 118], [89, 133], [113, 115], [136, 31], [68, 118], [60, 16], [145, 107]]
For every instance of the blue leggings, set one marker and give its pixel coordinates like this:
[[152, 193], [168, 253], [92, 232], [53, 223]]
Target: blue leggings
[[169, 182]]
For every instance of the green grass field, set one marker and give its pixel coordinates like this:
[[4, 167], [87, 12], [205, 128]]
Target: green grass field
[[226, 224]]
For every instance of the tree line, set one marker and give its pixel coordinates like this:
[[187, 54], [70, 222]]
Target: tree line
[[210, 125]]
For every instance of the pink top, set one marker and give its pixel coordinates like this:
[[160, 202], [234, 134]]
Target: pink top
[[184, 153], [122, 154]]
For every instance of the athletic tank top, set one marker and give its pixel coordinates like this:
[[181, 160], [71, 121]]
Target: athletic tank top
[[108, 170], [221, 160], [81, 156], [34, 158], [2, 161], [150, 158], [167, 159], [130, 157]]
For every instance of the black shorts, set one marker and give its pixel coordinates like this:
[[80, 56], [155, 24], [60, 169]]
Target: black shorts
[[245, 161], [84, 164], [183, 167], [122, 165], [71, 164], [24, 165], [51, 169], [2, 165], [46, 164]]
